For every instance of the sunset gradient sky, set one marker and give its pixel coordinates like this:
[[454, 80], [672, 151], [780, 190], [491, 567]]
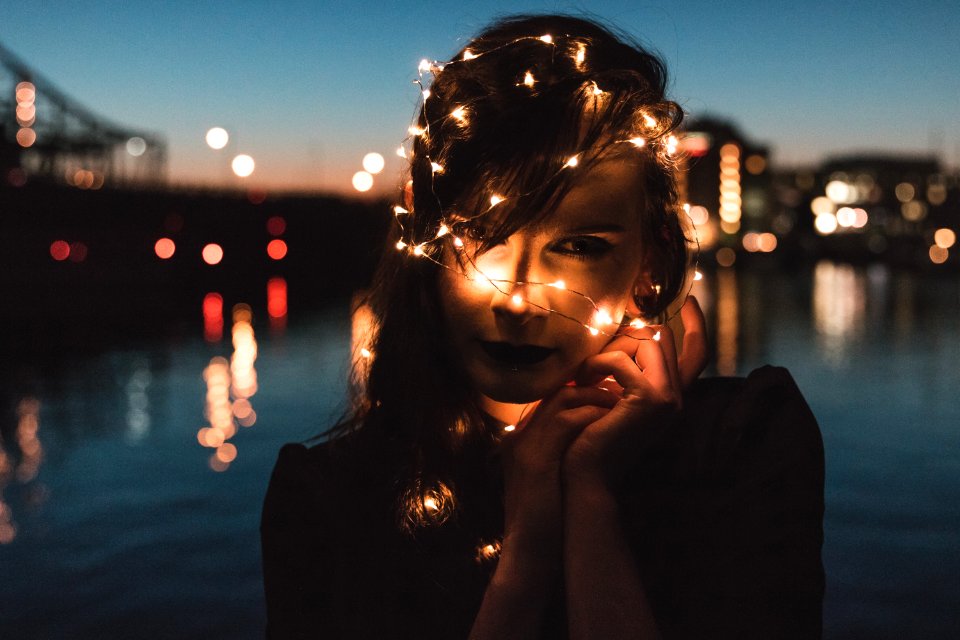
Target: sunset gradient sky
[[307, 88]]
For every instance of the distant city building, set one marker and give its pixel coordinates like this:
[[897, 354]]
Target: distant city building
[[727, 184]]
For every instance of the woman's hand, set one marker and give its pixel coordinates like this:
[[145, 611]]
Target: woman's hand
[[641, 367]]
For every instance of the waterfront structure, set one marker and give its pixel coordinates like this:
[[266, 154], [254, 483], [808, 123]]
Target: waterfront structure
[[46, 134]]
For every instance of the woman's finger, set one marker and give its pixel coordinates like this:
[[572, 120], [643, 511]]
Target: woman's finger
[[693, 358], [669, 347]]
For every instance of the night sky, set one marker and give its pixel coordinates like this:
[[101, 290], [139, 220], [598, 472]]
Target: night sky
[[307, 88]]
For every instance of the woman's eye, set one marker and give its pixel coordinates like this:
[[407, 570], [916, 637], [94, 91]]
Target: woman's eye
[[583, 247]]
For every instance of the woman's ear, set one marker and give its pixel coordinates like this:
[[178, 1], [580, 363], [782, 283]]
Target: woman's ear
[[644, 296], [408, 195]]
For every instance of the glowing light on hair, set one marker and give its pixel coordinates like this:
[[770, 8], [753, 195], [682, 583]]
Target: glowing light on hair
[[637, 142], [468, 55], [460, 113], [649, 121], [528, 79], [572, 161], [495, 200], [401, 152], [401, 245], [597, 91], [517, 300], [581, 55], [547, 38], [510, 427], [443, 230], [416, 131], [436, 168], [458, 243], [559, 284], [424, 66], [426, 93]]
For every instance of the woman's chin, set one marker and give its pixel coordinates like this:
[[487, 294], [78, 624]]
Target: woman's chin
[[518, 391]]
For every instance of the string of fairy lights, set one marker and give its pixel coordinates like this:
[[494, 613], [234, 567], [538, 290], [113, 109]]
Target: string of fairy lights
[[434, 505]]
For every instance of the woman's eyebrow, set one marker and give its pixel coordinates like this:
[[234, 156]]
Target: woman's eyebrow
[[609, 227]]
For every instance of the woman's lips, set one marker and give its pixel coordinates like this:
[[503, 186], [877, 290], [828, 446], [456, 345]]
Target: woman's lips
[[510, 354]]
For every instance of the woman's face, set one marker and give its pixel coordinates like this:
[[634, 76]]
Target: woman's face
[[514, 350]]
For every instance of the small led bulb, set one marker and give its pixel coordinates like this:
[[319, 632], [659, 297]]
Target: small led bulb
[[495, 200], [468, 55], [572, 161], [528, 79], [517, 300], [547, 38]]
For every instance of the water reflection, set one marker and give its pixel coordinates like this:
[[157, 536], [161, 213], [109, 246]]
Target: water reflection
[[138, 404], [230, 385], [277, 302], [728, 322], [22, 471], [839, 303]]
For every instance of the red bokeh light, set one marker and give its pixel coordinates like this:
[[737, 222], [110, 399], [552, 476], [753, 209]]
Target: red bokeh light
[[212, 253], [277, 249], [213, 317], [164, 248], [78, 252], [277, 298], [59, 250], [276, 225], [256, 196]]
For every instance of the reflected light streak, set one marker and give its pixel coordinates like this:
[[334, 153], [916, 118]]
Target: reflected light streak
[[277, 301], [728, 322], [138, 404], [839, 302], [213, 317]]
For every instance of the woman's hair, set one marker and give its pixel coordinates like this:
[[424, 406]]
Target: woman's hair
[[503, 117]]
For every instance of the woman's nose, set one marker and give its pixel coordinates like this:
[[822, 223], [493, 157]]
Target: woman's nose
[[518, 294]]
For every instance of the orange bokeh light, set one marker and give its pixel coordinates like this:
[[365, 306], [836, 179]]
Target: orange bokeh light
[[212, 253], [26, 137], [226, 452], [59, 250], [78, 252], [164, 248], [277, 249]]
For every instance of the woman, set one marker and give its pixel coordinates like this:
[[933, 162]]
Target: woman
[[528, 455]]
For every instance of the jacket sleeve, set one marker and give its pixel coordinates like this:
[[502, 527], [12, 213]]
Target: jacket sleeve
[[755, 564], [294, 545]]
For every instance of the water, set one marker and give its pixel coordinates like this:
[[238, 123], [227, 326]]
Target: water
[[118, 525]]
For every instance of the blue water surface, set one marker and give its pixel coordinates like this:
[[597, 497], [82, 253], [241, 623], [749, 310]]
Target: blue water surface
[[115, 525]]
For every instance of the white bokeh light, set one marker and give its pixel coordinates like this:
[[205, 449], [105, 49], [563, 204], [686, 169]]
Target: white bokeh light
[[136, 146], [217, 138], [362, 181], [373, 162], [242, 165]]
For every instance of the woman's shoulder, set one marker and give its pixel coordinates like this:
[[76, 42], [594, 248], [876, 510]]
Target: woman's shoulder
[[765, 410]]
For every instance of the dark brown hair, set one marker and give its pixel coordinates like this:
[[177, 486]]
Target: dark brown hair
[[489, 130]]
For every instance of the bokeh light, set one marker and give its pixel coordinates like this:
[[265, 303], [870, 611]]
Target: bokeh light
[[825, 223], [905, 192], [59, 250], [217, 138], [164, 248], [136, 146], [242, 165], [276, 225], [944, 238], [212, 253], [373, 162], [938, 255], [277, 298], [699, 215], [26, 137], [362, 181], [277, 249], [726, 257]]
